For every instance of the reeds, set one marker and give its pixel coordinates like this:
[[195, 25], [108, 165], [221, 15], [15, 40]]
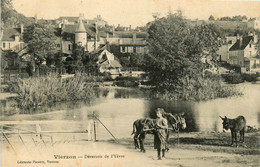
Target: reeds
[[34, 92]]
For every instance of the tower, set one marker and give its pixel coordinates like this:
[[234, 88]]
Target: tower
[[81, 34]]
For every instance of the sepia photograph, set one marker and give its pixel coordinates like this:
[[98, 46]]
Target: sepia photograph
[[130, 83]]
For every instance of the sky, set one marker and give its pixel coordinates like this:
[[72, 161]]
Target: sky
[[136, 12]]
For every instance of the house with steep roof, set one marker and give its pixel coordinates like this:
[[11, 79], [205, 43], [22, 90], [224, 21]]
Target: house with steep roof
[[12, 39], [243, 52], [108, 63]]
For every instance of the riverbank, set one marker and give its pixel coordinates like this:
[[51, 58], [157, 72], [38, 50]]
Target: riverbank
[[195, 149]]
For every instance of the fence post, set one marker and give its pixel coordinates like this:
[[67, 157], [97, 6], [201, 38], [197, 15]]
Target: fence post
[[95, 133], [89, 131]]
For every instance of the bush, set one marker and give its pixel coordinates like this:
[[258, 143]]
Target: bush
[[127, 81], [199, 89], [249, 77], [233, 78]]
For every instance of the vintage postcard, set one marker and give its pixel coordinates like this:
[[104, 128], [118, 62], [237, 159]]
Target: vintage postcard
[[130, 83]]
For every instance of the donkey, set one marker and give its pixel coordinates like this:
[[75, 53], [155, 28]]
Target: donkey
[[141, 127], [235, 125]]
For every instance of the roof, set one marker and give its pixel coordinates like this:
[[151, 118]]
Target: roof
[[115, 63], [9, 34], [90, 29], [80, 27], [107, 59], [130, 34], [251, 58], [111, 63], [245, 42], [70, 19]]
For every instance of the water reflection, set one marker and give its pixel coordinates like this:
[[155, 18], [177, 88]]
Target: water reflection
[[118, 108]]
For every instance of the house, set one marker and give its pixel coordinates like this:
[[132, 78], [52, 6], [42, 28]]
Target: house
[[12, 39], [108, 63], [127, 42], [243, 53], [254, 23], [82, 33], [91, 36], [223, 50]]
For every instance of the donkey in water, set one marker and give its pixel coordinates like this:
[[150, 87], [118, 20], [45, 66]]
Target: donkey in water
[[235, 125], [141, 127]]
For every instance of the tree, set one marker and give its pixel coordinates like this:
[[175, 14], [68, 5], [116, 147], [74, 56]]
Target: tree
[[77, 53], [211, 18], [226, 19], [176, 49], [40, 40]]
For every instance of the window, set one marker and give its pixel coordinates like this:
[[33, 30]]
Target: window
[[130, 49], [134, 49], [58, 45], [250, 45], [3, 44], [123, 49], [70, 47]]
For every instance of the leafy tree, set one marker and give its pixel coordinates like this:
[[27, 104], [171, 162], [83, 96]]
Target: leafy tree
[[211, 18], [226, 19], [124, 61], [136, 60], [77, 53], [10, 17], [176, 49], [40, 40]]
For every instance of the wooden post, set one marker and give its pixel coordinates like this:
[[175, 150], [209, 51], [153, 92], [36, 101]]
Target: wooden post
[[89, 132], [95, 133], [178, 141]]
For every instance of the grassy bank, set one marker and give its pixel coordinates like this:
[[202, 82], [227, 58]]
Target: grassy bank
[[34, 92], [200, 89]]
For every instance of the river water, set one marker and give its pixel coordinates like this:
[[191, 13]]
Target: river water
[[118, 108]]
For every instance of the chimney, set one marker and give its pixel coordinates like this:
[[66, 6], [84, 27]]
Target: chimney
[[22, 29], [134, 37], [255, 38], [113, 30], [238, 36], [16, 37], [130, 27], [240, 42]]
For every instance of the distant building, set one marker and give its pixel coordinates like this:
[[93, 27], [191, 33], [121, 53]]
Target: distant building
[[12, 39], [223, 51], [243, 52], [254, 23], [108, 63], [127, 42], [82, 34]]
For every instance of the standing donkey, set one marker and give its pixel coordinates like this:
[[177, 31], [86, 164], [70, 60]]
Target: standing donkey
[[235, 125], [144, 126]]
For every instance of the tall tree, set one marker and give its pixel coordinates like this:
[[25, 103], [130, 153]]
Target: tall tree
[[211, 17], [40, 40], [176, 49]]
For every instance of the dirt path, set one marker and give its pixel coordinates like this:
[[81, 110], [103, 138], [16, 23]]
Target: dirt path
[[105, 154]]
